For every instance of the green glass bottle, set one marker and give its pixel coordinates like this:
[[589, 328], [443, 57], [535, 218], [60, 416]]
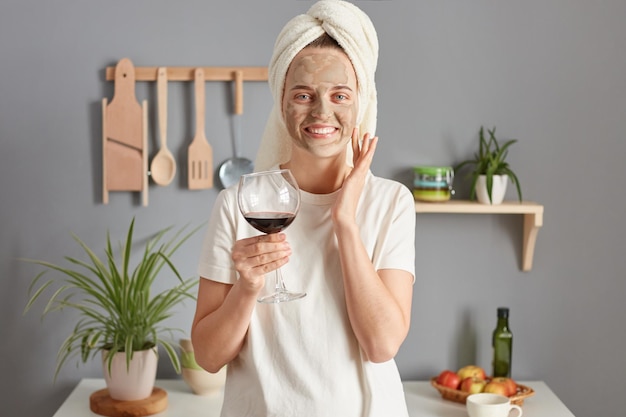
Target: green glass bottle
[[502, 343]]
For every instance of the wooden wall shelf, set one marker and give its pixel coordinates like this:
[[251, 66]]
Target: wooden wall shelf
[[187, 73], [533, 218]]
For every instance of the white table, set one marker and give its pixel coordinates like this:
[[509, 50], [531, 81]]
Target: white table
[[422, 400]]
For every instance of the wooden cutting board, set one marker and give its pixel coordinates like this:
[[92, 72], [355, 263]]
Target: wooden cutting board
[[124, 137], [101, 403]]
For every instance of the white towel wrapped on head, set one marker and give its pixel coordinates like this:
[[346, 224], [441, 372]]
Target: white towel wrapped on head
[[355, 33]]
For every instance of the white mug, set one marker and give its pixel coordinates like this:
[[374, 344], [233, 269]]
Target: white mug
[[490, 405]]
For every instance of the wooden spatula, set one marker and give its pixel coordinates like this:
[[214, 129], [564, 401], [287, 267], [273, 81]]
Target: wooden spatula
[[200, 153]]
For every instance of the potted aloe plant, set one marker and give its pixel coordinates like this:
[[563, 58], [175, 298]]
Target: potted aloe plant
[[491, 171], [119, 316]]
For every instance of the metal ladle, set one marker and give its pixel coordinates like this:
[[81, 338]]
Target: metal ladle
[[231, 169]]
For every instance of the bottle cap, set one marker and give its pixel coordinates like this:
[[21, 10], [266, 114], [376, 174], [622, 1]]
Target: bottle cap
[[503, 312]]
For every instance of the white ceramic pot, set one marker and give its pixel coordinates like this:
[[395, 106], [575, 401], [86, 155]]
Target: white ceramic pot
[[134, 383], [200, 381], [497, 191]]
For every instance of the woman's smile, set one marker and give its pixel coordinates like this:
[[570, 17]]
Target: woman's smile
[[321, 131]]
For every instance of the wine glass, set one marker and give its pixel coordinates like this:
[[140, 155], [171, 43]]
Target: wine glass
[[269, 201]]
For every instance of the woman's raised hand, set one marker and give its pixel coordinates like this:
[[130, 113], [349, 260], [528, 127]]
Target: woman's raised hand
[[363, 154]]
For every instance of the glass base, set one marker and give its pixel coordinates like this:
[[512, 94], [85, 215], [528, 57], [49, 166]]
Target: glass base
[[281, 297]]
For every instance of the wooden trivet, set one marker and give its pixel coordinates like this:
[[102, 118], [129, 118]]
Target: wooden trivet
[[100, 402]]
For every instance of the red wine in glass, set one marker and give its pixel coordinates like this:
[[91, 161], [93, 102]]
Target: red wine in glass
[[269, 222], [269, 201]]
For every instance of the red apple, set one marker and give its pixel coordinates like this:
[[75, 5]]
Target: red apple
[[509, 383], [473, 385], [449, 379], [472, 370]]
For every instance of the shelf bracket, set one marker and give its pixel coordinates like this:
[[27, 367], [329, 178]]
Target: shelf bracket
[[532, 223]]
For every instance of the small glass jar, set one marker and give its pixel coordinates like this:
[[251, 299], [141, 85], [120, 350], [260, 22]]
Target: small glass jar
[[431, 183]]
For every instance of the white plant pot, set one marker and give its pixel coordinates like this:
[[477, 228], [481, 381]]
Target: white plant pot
[[134, 383], [497, 191]]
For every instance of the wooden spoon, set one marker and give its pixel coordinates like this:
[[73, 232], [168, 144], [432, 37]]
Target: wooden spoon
[[163, 166]]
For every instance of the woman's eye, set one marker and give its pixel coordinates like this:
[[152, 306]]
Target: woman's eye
[[341, 97], [302, 96]]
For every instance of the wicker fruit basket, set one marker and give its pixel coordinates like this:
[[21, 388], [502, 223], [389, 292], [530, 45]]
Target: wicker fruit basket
[[459, 396]]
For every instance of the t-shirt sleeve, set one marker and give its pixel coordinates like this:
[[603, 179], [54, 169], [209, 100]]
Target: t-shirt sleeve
[[215, 256], [398, 249]]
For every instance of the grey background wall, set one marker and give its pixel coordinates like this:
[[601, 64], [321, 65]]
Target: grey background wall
[[549, 73]]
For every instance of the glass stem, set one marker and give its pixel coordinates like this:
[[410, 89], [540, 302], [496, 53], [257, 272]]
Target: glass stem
[[279, 285]]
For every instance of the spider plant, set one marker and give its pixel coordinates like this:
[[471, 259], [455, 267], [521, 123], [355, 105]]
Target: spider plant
[[117, 311], [490, 160]]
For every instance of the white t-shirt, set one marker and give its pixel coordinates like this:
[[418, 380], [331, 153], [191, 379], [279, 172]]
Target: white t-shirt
[[301, 358]]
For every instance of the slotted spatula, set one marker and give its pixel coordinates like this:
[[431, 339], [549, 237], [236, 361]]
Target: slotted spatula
[[200, 153]]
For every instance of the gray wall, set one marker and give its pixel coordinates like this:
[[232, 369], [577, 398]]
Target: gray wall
[[550, 73]]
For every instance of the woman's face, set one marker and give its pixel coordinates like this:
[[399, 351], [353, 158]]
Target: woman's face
[[320, 102]]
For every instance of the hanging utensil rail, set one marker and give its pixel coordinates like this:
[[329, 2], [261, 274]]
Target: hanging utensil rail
[[187, 73]]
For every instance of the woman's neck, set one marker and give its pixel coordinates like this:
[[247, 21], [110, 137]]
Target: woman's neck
[[319, 176]]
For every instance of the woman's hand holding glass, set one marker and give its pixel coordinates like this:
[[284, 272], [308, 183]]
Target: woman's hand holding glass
[[254, 257]]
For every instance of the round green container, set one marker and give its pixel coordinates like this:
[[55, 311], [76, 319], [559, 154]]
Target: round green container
[[432, 183]]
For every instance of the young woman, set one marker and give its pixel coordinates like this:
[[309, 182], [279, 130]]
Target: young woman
[[351, 247]]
